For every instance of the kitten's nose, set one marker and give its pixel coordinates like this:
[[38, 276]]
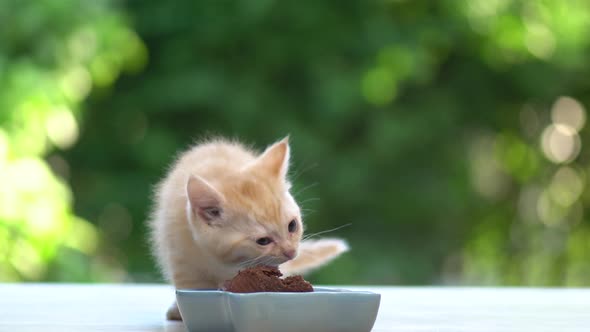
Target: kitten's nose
[[290, 254]]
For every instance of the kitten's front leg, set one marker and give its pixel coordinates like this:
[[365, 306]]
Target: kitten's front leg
[[173, 313]]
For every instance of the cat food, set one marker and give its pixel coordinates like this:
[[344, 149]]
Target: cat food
[[266, 279]]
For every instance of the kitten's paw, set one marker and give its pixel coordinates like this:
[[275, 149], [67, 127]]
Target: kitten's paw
[[328, 247], [313, 254], [173, 313]]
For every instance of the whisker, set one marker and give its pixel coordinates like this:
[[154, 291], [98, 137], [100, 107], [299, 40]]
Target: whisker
[[307, 237], [299, 173], [311, 199], [305, 188], [250, 262], [265, 261], [269, 260]]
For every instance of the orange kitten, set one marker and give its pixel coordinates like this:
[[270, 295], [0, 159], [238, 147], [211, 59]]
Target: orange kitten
[[223, 208]]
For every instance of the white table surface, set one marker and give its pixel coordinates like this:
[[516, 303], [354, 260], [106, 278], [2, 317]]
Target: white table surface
[[66, 307]]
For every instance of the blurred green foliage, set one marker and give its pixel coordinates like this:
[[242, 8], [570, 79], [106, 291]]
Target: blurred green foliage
[[450, 134], [50, 60]]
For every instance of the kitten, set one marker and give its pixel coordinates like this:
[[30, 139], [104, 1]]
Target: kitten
[[223, 208]]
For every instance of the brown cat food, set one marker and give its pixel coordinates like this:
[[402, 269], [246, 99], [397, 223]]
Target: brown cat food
[[265, 279]]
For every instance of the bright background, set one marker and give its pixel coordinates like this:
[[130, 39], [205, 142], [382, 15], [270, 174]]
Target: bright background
[[450, 134]]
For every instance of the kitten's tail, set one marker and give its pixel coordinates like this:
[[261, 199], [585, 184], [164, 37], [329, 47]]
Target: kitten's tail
[[313, 254]]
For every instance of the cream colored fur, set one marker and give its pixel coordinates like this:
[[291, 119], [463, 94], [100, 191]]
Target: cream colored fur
[[313, 254], [218, 199]]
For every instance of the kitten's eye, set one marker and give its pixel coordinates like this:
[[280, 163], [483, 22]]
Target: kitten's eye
[[212, 212], [263, 241], [292, 226]]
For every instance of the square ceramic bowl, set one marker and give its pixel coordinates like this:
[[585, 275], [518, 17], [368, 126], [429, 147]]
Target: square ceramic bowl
[[326, 310]]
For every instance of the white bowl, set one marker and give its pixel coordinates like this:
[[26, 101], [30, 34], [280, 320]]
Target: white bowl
[[325, 310]]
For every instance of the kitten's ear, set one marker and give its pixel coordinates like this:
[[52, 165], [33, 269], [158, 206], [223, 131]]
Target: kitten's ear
[[205, 201], [275, 159]]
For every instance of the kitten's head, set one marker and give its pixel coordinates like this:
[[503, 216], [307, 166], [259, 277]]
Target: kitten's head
[[247, 218]]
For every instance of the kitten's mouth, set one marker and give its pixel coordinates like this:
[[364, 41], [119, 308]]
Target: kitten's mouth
[[279, 261], [269, 261]]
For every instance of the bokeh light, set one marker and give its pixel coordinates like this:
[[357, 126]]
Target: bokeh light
[[539, 40], [560, 143], [568, 112], [62, 128], [566, 186]]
